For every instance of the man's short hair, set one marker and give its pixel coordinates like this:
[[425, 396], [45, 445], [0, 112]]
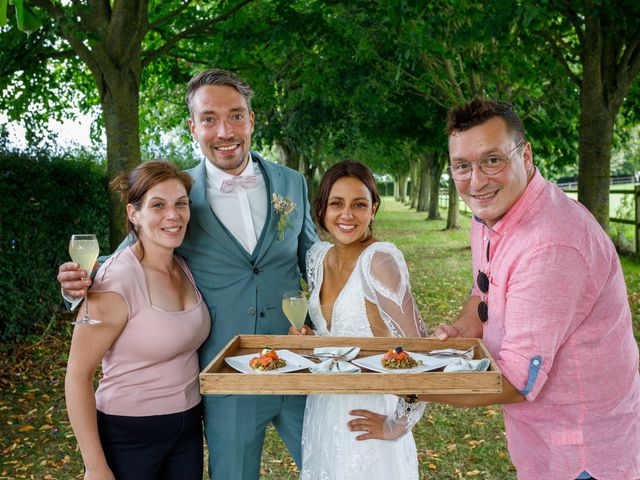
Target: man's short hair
[[218, 78], [478, 111]]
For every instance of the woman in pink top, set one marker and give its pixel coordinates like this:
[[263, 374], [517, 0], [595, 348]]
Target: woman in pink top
[[144, 421]]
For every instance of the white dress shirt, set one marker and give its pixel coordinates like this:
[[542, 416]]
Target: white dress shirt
[[242, 211]]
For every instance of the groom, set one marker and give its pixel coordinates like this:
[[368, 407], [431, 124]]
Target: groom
[[243, 260]]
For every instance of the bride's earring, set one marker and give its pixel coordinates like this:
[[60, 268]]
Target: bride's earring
[[369, 233]]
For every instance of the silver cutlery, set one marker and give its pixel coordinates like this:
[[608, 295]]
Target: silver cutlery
[[451, 353], [329, 356]]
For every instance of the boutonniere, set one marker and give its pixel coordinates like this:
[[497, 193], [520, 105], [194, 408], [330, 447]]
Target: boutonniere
[[283, 207]]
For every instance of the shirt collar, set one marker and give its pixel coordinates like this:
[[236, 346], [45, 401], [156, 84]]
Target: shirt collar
[[524, 206], [215, 176]]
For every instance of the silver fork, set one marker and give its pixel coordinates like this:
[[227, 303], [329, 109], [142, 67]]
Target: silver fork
[[445, 354]]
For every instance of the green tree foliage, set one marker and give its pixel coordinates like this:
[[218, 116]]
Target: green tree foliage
[[44, 201], [333, 79], [597, 42], [114, 42]]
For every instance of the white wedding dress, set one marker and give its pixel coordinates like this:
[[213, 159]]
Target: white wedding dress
[[329, 448]]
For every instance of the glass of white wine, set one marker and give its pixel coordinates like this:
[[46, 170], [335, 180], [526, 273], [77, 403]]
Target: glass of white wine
[[294, 306], [84, 249]]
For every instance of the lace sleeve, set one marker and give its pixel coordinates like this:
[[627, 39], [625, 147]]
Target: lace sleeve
[[315, 256], [385, 280]]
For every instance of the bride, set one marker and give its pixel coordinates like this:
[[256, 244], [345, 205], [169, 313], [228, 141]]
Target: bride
[[359, 287]]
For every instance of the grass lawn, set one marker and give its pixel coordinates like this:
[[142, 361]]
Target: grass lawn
[[37, 441]]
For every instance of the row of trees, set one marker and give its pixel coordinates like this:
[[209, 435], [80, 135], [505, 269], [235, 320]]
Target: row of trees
[[366, 79]]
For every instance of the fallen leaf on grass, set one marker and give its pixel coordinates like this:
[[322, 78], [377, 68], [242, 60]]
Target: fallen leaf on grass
[[475, 443]]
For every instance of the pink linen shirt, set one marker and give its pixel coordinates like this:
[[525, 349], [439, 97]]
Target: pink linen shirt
[[560, 329], [152, 367]]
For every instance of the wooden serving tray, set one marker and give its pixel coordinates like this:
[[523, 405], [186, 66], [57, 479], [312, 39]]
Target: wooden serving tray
[[220, 378]]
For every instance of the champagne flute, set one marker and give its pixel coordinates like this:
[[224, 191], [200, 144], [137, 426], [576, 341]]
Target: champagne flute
[[294, 306], [83, 249]]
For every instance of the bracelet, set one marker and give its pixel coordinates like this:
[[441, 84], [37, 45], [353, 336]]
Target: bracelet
[[410, 404]]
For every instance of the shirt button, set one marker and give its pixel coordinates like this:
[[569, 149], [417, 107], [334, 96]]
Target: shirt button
[[256, 270], [251, 311], [536, 362]]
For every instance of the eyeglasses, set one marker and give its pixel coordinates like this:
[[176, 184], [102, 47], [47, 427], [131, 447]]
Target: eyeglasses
[[483, 284], [492, 165]]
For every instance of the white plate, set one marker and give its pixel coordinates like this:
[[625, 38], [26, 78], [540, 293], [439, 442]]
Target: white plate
[[373, 363], [294, 363]]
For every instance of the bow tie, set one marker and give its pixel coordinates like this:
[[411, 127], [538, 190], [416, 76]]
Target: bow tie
[[230, 184]]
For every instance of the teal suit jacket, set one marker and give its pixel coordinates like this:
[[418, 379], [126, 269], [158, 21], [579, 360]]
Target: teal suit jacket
[[244, 291]]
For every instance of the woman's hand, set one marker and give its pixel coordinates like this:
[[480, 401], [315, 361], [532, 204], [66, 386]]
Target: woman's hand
[[375, 426], [74, 282], [305, 330], [104, 473]]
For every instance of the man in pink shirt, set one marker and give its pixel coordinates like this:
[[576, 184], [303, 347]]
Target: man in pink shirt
[[550, 303]]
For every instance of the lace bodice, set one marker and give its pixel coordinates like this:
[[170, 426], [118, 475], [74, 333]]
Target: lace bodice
[[379, 276]]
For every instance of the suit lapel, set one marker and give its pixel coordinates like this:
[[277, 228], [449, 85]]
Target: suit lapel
[[274, 183], [202, 213]]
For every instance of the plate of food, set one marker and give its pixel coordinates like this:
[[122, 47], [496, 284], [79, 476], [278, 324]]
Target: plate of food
[[269, 361], [399, 360]]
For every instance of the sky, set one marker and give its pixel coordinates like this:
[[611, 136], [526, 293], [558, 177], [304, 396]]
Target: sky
[[69, 132]]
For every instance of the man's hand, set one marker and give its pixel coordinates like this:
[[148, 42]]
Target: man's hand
[[442, 332], [74, 282], [467, 325]]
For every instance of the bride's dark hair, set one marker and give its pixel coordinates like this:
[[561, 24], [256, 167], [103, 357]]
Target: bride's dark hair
[[348, 168]]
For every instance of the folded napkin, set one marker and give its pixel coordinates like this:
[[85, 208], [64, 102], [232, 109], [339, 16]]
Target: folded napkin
[[338, 362], [464, 365]]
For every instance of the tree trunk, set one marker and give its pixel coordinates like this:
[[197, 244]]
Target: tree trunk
[[113, 53], [434, 193], [598, 109], [609, 51], [402, 188], [453, 212], [425, 184], [290, 156], [309, 172], [415, 180], [594, 166], [120, 106]]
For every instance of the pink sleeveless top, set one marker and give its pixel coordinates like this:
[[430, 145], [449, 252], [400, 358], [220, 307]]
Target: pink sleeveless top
[[152, 367]]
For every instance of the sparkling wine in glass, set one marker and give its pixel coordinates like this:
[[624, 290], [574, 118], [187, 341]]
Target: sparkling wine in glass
[[294, 306], [84, 249]]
